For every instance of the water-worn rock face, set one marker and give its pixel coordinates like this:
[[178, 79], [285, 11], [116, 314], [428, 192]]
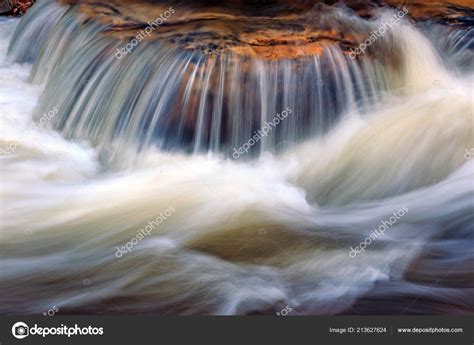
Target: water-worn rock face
[[15, 7], [268, 29]]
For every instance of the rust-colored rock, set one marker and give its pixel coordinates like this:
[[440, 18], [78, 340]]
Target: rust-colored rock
[[270, 30], [15, 7]]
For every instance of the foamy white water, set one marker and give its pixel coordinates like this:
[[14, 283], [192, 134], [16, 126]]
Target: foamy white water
[[245, 237]]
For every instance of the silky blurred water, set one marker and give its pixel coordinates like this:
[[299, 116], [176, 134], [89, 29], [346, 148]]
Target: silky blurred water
[[245, 237]]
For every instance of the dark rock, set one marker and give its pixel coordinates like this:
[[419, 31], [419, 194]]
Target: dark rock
[[15, 7]]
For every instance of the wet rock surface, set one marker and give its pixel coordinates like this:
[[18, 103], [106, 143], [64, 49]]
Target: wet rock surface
[[267, 29], [15, 7]]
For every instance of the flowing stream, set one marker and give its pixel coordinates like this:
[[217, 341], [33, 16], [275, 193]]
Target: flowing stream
[[120, 192]]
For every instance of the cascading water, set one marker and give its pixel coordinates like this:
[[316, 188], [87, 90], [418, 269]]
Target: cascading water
[[184, 100], [364, 140]]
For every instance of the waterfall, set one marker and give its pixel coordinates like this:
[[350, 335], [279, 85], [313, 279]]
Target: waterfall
[[180, 100], [121, 193]]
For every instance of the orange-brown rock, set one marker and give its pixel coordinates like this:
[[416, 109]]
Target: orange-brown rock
[[15, 7], [267, 29]]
